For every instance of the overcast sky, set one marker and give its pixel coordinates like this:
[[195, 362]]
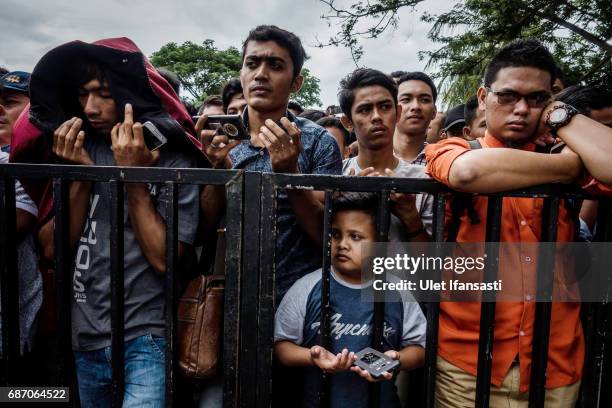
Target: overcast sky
[[30, 28]]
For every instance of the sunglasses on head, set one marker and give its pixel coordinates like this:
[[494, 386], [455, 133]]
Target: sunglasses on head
[[534, 100]]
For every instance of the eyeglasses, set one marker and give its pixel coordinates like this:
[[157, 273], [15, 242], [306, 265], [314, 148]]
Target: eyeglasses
[[534, 100]]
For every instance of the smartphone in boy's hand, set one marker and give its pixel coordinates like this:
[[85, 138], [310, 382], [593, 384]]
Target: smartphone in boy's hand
[[375, 362]]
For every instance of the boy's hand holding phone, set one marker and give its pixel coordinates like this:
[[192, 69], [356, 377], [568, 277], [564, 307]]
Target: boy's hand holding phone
[[372, 361], [330, 362]]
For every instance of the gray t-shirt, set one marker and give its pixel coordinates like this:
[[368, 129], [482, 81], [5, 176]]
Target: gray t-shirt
[[298, 320], [144, 288], [424, 202]]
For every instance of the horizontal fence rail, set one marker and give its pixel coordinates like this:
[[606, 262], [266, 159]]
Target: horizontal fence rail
[[249, 299], [551, 195], [117, 177]]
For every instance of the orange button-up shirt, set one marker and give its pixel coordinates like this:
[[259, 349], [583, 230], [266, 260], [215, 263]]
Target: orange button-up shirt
[[514, 321]]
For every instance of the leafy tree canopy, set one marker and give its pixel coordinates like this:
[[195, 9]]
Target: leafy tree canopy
[[577, 32], [203, 70]]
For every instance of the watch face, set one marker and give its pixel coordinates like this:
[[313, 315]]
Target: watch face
[[558, 115]]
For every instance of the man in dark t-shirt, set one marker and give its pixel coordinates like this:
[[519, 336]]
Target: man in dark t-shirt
[[101, 125]]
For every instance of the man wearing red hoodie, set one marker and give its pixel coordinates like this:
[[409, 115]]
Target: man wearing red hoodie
[[91, 101]]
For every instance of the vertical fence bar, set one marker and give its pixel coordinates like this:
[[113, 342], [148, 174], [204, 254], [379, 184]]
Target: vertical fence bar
[[63, 278], [249, 287], [324, 392], [265, 341], [171, 289], [595, 393], [382, 230], [604, 329], [9, 283], [233, 268], [588, 388], [117, 290], [487, 309], [433, 308], [378, 321], [541, 332]]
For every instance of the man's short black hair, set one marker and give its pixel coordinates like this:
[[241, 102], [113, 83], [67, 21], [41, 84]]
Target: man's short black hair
[[470, 109], [361, 78], [312, 114], [211, 100], [172, 79], [87, 71], [353, 201], [284, 38], [420, 76], [295, 106], [332, 121], [586, 98], [231, 89], [560, 75], [521, 53]]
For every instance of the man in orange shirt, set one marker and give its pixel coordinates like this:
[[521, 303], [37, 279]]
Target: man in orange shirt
[[516, 98]]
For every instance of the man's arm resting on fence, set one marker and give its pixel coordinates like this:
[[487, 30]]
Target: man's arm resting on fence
[[592, 141], [502, 169]]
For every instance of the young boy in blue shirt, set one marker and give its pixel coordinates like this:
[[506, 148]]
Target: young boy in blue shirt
[[297, 322]]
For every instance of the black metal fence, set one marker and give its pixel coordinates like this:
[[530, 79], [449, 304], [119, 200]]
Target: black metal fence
[[249, 295]]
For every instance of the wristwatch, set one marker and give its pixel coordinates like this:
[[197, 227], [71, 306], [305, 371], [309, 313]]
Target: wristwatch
[[559, 117]]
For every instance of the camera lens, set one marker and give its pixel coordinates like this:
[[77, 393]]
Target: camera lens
[[230, 129]]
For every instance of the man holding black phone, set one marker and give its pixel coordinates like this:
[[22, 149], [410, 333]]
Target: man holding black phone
[[80, 102], [279, 142]]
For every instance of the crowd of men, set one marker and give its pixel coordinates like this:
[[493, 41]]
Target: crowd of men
[[85, 104]]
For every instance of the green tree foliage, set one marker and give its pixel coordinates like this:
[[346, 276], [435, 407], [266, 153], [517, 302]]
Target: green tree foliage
[[203, 70], [308, 96], [576, 31]]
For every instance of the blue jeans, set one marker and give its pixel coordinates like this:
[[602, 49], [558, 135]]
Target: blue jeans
[[144, 374]]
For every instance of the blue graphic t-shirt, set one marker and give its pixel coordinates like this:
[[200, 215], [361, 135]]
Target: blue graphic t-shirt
[[298, 319]]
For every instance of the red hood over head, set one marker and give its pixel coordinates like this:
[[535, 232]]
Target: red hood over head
[[131, 78]]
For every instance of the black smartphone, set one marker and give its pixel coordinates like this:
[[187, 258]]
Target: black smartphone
[[154, 139], [230, 125], [375, 362]]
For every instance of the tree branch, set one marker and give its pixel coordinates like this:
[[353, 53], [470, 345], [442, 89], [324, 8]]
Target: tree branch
[[593, 39], [188, 87], [393, 7]]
